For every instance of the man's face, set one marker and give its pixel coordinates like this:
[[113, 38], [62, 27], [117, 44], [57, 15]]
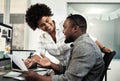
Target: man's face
[[46, 24], [68, 31]]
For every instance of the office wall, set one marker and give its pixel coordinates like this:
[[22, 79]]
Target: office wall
[[107, 32], [59, 8]]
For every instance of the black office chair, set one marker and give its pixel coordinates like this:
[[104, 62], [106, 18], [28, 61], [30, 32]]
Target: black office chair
[[107, 59]]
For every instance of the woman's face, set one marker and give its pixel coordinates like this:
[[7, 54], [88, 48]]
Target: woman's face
[[46, 24]]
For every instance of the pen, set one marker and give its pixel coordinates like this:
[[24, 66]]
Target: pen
[[30, 55]]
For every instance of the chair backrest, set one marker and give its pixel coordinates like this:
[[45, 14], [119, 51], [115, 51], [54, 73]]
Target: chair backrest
[[107, 60]]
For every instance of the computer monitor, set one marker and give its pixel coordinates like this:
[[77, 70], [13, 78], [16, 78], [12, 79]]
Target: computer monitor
[[6, 33]]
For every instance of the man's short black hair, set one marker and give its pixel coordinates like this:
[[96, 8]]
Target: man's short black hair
[[78, 20], [35, 13]]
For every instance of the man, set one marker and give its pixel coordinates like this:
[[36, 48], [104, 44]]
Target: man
[[85, 62]]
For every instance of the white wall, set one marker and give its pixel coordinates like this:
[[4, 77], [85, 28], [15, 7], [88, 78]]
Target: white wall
[[59, 8], [114, 74]]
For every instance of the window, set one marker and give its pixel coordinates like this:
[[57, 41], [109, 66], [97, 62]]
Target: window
[[103, 22]]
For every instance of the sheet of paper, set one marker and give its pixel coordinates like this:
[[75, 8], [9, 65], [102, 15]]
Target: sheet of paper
[[19, 78], [12, 74], [52, 58], [48, 55], [18, 61]]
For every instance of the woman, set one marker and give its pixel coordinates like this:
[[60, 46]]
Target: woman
[[51, 35]]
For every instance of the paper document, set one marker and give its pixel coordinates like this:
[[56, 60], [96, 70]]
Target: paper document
[[52, 58], [18, 61], [48, 55], [12, 74]]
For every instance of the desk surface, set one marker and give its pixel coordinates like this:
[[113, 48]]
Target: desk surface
[[6, 79], [43, 72]]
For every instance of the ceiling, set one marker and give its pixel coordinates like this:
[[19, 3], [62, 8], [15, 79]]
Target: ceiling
[[99, 9], [106, 8]]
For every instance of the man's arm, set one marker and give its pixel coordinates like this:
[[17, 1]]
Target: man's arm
[[33, 76], [45, 62]]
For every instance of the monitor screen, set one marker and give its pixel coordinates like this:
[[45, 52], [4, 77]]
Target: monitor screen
[[5, 41]]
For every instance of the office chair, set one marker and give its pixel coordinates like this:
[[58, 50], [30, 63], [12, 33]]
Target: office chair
[[107, 60]]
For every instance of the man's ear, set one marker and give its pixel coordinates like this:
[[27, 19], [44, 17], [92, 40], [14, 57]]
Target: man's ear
[[76, 28]]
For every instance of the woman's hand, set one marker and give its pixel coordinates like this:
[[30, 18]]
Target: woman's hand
[[28, 62], [43, 61], [31, 61], [106, 50]]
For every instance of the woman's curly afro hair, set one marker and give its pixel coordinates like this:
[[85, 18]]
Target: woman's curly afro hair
[[35, 13]]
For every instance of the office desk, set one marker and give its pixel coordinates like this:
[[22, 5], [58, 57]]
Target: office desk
[[6, 79], [42, 72]]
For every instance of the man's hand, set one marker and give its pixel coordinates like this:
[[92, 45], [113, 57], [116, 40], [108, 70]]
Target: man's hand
[[43, 61], [31, 76]]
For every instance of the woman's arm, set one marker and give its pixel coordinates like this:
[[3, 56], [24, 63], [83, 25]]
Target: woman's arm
[[102, 47]]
